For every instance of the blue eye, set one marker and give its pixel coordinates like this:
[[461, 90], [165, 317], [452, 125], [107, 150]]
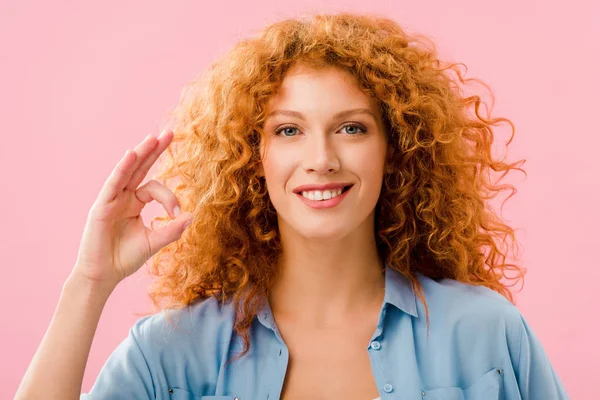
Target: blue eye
[[362, 129], [277, 132], [354, 126]]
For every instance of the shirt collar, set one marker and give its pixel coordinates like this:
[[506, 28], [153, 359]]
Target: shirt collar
[[398, 292]]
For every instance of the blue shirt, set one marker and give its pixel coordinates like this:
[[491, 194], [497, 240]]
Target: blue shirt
[[479, 347]]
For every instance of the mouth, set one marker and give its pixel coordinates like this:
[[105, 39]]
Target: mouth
[[322, 187], [324, 198], [311, 191]]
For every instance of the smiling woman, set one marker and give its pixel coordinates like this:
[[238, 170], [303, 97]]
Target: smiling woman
[[341, 247], [323, 133]]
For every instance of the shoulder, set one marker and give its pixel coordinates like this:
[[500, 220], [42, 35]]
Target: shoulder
[[176, 328], [477, 324], [469, 308], [176, 348]]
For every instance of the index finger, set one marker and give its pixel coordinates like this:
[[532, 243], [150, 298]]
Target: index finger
[[142, 170], [121, 174]]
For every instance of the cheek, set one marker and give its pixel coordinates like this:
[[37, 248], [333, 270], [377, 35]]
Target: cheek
[[370, 161], [277, 167]]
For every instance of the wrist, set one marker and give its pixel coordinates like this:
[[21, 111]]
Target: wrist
[[96, 290]]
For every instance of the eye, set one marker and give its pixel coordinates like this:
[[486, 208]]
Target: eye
[[285, 130], [354, 127], [289, 131]]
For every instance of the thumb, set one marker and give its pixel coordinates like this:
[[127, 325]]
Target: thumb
[[171, 232]]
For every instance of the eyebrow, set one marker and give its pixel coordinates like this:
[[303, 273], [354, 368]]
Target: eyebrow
[[341, 114]]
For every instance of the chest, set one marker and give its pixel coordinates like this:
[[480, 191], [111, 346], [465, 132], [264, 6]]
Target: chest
[[329, 363]]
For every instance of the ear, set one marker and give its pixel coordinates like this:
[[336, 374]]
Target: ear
[[261, 171]]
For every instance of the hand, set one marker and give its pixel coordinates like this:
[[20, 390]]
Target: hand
[[115, 241]]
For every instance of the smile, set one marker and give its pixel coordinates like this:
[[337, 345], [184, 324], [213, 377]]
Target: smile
[[323, 198], [322, 194]]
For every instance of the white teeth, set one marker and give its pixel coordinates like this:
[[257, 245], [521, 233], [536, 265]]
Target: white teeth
[[322, 195]]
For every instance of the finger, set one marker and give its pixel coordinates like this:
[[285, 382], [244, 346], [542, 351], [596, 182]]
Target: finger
[[142, 150], [161, 237], [118, 175], [154, 190], [140, 173], [121, 174]]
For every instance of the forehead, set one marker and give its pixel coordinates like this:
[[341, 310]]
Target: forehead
[[326, 89]]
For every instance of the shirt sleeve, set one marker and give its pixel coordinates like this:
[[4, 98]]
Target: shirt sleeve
[[126, 373], [535, 376]]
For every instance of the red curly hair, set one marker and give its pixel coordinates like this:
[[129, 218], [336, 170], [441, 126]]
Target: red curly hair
[[432, 216]]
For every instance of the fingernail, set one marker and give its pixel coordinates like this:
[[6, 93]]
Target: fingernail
[[187, 223], [177, 211]]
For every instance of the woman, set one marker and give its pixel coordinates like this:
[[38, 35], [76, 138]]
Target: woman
[[341, 245]]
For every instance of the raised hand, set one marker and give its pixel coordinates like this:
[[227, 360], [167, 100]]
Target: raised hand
[[115, 241]]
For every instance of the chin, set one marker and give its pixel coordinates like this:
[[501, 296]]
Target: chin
[[321, 231]]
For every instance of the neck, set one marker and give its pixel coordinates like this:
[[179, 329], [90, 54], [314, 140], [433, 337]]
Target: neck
[[328, 282]]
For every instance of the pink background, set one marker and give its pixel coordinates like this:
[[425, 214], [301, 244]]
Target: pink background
[[81, 83]]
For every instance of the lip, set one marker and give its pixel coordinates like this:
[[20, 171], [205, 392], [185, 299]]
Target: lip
[[327, 186], [319, 204]]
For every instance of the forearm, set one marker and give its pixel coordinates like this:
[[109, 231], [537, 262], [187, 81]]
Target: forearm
[[57, 368]]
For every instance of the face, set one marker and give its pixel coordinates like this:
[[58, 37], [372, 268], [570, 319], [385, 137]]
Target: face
[[323, 154]]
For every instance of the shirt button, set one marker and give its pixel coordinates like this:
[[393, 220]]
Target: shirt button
[[387, 388], [375, 345]]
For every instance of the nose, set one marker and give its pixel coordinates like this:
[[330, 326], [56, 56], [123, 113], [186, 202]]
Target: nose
[[320, 155]]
